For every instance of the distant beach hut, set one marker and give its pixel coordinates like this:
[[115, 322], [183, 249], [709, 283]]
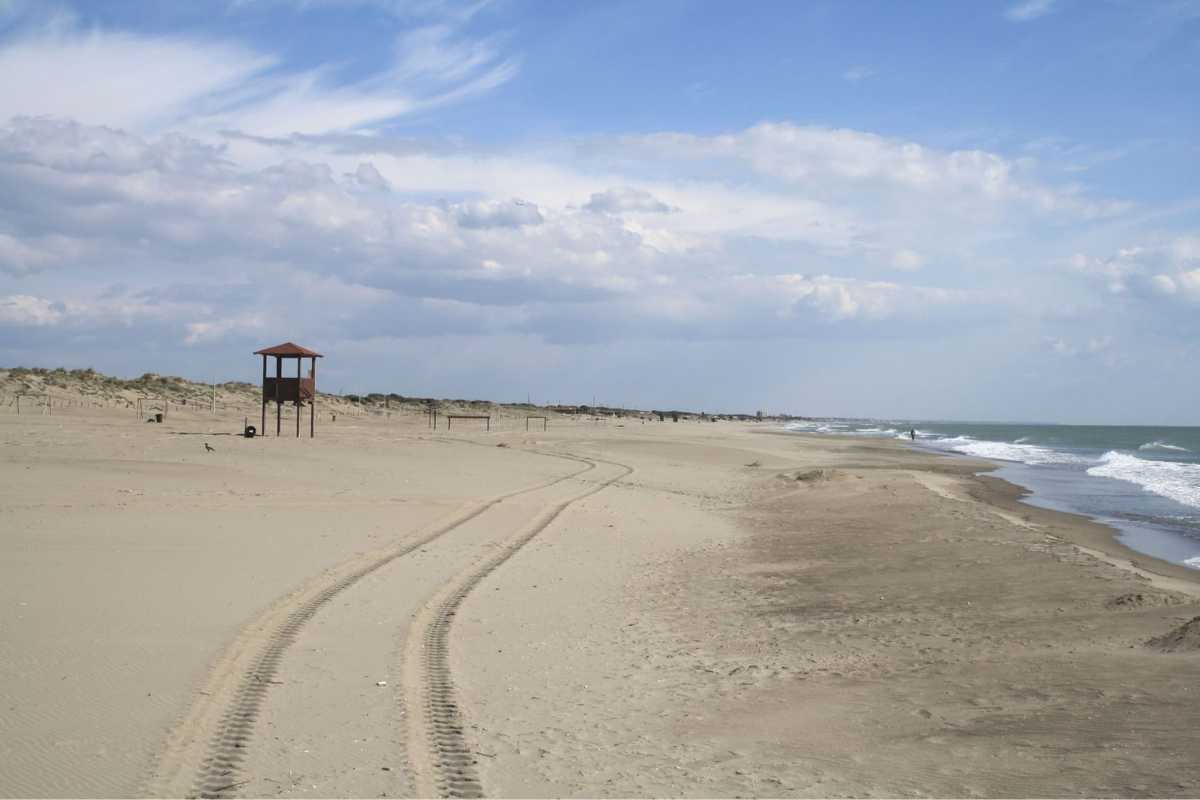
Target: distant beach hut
[[295, 390]]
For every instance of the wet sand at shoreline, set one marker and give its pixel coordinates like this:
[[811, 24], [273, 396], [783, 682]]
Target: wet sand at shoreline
[[649, 616]]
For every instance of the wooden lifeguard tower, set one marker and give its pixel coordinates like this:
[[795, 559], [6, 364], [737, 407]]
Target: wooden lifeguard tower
[[289, 390]]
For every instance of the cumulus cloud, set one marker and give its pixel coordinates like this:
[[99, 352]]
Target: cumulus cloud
[[1184, 285], [626, 200], [498, 214], [847, 299], [368, 177], [20, 309], [1115, 270], [179, 220], [1168, 267]]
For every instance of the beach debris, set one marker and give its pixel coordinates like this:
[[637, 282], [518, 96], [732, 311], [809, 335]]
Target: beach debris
[[381, 683], [502, 444], [817, 475], [754, 464], [1185, 638], [208, 448], [1143, 600]]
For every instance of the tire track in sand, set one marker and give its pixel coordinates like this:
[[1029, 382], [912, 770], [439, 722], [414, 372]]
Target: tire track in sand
[[204, 752], [441, 758]]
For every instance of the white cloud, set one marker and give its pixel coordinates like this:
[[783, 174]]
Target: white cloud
[[626, 200], [1184, 285], [368, 177], [102, 78], [833, 162], [106, 78], [350, 243], [1168, 267], [20, 309], [1028, 10], [858, 73], [842, 299], [498, 214], [217, 329], [1114, 271]]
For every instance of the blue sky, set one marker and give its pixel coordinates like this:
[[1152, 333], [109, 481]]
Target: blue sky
[[955, 210]]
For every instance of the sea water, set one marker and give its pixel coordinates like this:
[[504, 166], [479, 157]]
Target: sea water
[[1143, 481]]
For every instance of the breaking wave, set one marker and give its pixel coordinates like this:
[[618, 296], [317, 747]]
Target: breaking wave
[[1163, 446], [1179, 482], [1005, 451]]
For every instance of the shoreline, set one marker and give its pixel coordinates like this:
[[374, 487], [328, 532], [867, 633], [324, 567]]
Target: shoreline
[[1097, 535], [1094, 536]]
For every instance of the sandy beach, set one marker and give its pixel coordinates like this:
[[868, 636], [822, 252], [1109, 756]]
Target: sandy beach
[[606, 608]]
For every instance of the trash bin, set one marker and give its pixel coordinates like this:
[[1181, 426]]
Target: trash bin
[[158, 417], [250, 432]]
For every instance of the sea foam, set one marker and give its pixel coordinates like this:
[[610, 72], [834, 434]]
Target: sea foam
[[1179, 482], [1006, 451]]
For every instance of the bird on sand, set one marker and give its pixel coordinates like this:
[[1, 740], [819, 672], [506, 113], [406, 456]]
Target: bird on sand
[[209, 447]]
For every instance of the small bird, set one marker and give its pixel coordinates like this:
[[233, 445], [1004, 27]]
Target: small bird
[[209, 447]]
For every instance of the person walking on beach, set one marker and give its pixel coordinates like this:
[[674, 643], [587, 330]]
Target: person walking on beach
[[912, 434]]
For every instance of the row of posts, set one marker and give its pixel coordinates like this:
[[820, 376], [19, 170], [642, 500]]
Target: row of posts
[[431, 411], [48, 406]]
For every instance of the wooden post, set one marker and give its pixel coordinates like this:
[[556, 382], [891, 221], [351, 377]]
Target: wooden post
[[214, 400], [278, 402], [49, 407], [299, 361], [18, 405], [312, 408], [262, 426]]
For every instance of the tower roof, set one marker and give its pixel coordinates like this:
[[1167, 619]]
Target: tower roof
[[288, 349]]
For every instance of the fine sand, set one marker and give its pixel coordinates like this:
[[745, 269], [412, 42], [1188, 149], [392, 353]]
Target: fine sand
[[608, 608]]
